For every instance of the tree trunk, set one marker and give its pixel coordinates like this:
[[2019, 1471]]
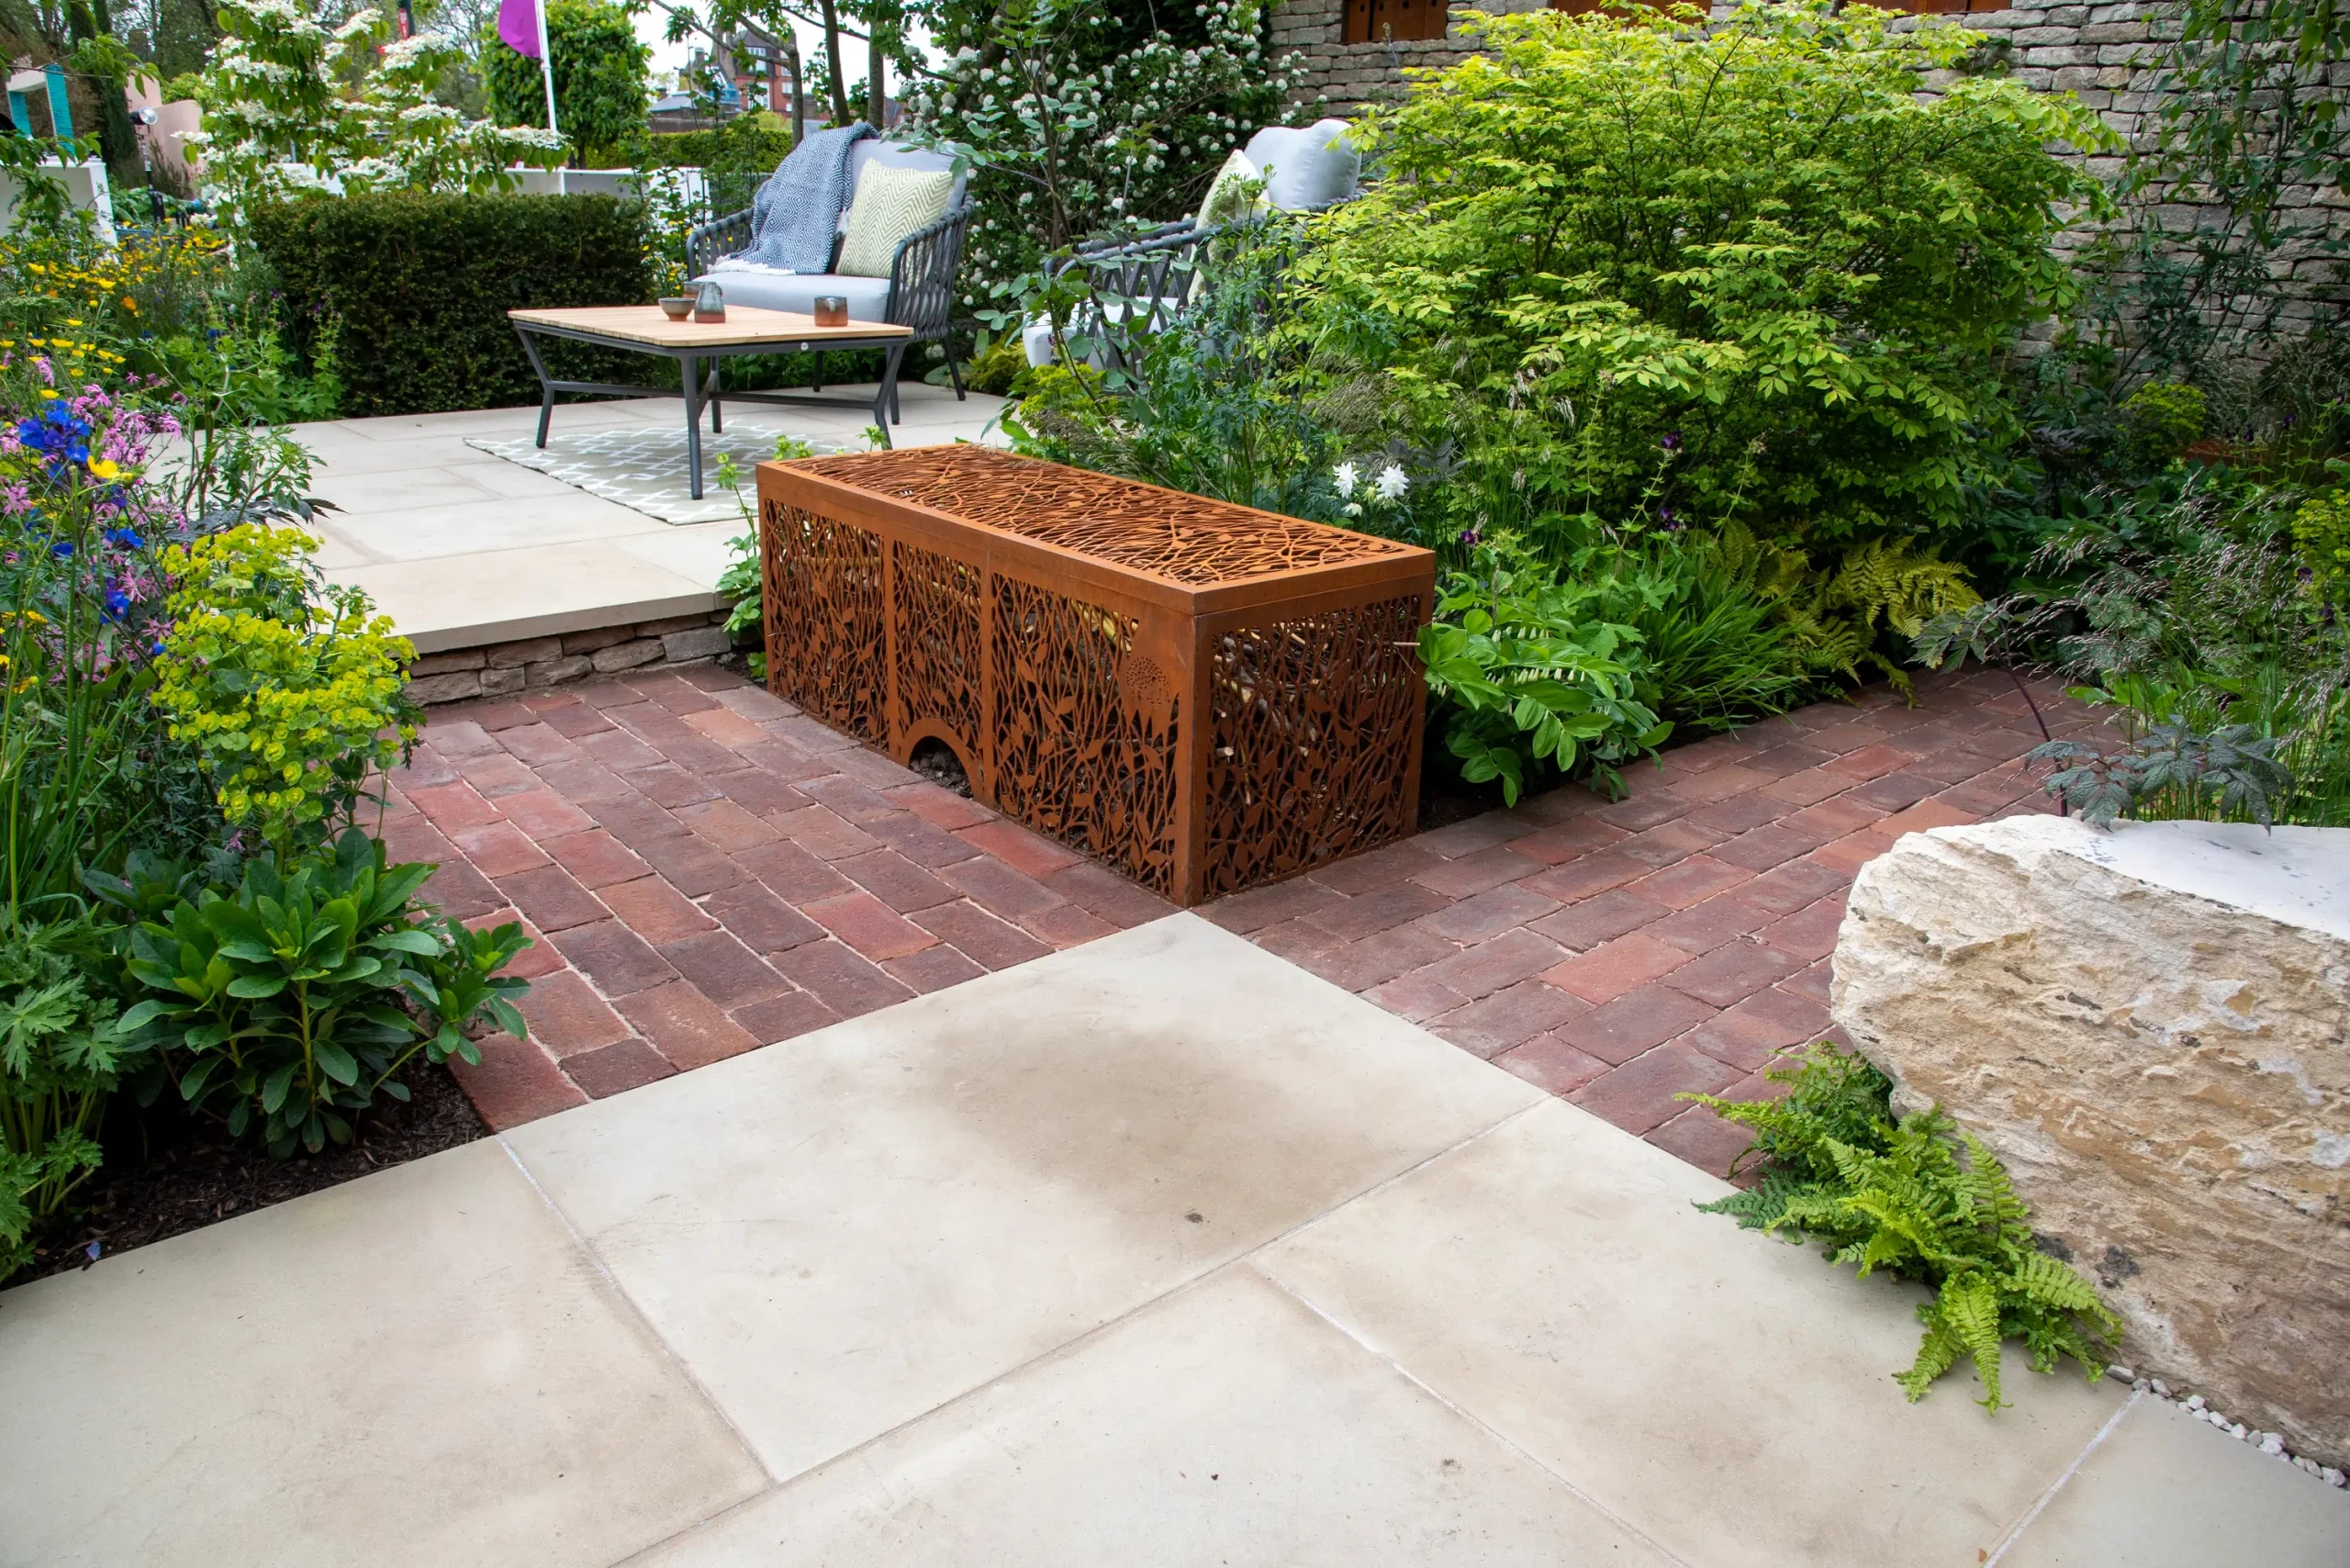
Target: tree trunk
[[833, 66], [798, 109], [878, 60]]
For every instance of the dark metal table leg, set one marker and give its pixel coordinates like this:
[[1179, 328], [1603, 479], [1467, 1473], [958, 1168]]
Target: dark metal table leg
[[546, 384], [690, 382], [885, 397], [717, 418]]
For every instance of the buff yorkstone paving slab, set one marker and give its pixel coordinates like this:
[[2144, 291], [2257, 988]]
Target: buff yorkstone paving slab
[[421, 1367], [1724, 1394], [2162, 1487], [840, 1235], [1226, 1424]]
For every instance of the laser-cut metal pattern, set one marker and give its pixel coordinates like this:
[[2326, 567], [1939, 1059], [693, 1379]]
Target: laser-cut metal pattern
[[1306, 719], [1076, 757], [1182, 539], [823, 600], [1202, 697], [935, 634]]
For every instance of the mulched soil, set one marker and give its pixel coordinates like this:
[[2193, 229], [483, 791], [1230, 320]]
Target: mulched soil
[[160, 1179]]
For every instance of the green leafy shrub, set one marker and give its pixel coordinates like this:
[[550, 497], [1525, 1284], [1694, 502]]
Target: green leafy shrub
[[1755, 244], [63, 1051], [288, 999], [290, 689], [1921, 1201], [2322, 530], [599, 79], [742, 581], [2162, 418], [1532, 675], [415, 287]]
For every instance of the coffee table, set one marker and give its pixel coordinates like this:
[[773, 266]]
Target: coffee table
[[643, 328]]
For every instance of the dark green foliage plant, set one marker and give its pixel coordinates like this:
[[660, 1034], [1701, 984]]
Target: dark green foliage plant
[[1756, 243], [1921, 1200], [2195, 622], [415, 287], [1532, 675], [63, 1051], [599, 79], [286, 1000]]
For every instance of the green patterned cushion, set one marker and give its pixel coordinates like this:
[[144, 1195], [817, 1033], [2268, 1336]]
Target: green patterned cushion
[[890, 204]]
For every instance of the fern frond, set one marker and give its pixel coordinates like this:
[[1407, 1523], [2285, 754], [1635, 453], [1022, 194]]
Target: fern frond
[[1921, 1199], [1969, 1307], [1937, 1352]]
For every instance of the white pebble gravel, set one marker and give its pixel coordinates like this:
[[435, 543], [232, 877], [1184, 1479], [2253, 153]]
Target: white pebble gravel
[[2195, 1404]]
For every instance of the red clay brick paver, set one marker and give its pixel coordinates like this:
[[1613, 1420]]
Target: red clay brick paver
[[706, 871], [1619, 953]]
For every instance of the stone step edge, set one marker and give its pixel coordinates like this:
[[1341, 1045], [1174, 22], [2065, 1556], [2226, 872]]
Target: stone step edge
[[499, 669]]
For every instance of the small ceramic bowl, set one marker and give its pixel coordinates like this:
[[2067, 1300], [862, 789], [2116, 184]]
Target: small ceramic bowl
[[676, 307], [832, 311]]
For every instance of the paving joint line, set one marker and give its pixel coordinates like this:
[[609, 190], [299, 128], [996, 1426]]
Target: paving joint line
[[1066, 1348], [588, 1249], [1500, 1438], [2016, 1531]]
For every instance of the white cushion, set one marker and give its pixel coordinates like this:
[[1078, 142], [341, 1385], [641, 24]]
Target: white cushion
[[1306, 170], [891, 203], [1224, 203], [770, 288]]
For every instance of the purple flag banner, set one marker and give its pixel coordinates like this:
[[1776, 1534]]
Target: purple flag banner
[[517, 24]]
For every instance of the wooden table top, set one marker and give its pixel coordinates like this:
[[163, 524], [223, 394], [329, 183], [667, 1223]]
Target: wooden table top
[[743, 324]]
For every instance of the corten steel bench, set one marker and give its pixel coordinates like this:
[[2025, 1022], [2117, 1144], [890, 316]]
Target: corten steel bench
[[1202, 696]]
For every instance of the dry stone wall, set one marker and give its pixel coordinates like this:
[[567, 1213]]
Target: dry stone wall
[[498, 669], [2148, 1028]]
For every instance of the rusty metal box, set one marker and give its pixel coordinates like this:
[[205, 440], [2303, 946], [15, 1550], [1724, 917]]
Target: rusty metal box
[[1203, 697]]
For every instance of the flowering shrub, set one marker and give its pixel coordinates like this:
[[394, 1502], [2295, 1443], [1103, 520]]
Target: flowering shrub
[[279, 122], [290, 690], [1076, 115]]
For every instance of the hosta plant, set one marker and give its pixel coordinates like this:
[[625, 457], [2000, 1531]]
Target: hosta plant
[[285, 1000], [1923, 1201]]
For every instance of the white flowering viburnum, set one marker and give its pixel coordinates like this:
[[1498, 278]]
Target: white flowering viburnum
[[1073, 121], [284, 119]]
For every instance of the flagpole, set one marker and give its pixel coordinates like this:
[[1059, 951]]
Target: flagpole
[[546, 73]]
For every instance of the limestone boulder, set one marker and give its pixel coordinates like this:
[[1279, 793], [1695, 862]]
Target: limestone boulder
[[2148, 1026]]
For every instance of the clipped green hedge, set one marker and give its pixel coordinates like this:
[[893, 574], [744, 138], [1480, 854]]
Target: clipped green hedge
[[417, 287]]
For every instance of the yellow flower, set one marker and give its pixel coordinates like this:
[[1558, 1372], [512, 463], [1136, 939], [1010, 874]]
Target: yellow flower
[[104, 468]]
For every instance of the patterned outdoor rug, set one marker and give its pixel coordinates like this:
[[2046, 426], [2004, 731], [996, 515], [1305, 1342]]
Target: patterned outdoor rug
[[645, 468]]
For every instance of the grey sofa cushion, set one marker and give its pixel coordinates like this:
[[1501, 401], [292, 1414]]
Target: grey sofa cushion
[[1305, 169], [768, 288]]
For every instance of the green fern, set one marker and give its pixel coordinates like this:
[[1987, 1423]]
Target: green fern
[[1919, 1200]]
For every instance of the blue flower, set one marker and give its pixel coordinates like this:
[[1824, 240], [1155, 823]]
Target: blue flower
[[63, 549], [118, 604], [125, 538]]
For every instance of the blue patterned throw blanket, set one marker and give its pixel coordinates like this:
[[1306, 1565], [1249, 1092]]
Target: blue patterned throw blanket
[[795, 214]]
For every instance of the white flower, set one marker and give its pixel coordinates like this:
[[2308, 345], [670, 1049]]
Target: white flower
[[360, 22], [1345, 478], [1391, 483]]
